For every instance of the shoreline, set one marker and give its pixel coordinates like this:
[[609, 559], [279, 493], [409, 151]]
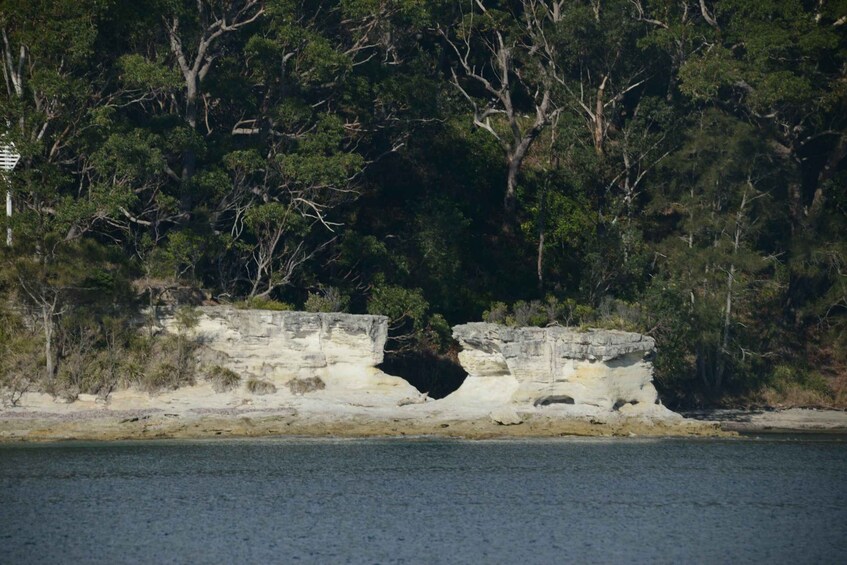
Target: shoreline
[[199, 413], [157, 424], [776, 421]]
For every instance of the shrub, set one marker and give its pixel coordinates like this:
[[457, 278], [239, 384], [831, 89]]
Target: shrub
[[328, 299], [438, 333], [186, 319], [613, 314], [791, 387], [260, 387], [163, 363], [222, 379], [21, 362], [528, 314], [533, 313], [261, 303], [497, 314], [407, 312], [162, 377], [302, 386]]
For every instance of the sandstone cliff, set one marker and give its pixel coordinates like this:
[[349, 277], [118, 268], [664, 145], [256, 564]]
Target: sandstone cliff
[[343, 350], [588, 372], [522, 382]]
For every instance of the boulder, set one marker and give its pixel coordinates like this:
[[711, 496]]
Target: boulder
[[342, 350], [556, 366], [505, 416]]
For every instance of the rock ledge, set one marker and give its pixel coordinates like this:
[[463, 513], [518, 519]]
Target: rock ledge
[[583, 372]]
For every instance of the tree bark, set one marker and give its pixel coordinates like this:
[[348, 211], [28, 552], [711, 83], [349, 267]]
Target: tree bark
[[599, 118], [542, 229], [510, 198], [47, 320]]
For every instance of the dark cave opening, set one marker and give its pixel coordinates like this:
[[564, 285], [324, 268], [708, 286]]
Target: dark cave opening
[[430, 373]]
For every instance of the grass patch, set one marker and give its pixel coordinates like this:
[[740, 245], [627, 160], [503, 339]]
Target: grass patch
[[259, 303], [302, 386], [222, 379], [260, 387], [790, 388]]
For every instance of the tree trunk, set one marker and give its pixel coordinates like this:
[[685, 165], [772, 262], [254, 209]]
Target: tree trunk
[[599, 132], [189, 156], [542, 228], [47, 319], [727, 319], [510, 199], [730, 283]]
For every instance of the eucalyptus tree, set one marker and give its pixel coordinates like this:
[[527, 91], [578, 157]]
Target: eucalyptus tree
[[196, 34], [53, 88], [721, 196], [507, 70], [780, 65]]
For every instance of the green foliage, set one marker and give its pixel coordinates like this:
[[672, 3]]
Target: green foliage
[[306, 385], [325, 156], [262, 303], [139, 72], [20, 358], [260, 387], [222, 379], [164, 363], [327, 299], [550, 311], [403, 306]]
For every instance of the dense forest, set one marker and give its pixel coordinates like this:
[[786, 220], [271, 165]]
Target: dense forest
[[673, 167]]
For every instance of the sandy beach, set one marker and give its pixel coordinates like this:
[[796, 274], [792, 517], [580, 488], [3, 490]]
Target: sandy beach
[[791, 420]]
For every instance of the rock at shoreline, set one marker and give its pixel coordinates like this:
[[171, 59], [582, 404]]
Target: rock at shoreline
[[582, 372], [259, 342], [319, 374], [505, 416], [341, 351]]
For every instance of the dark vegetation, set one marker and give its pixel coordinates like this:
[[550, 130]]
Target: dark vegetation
[[675, 167]]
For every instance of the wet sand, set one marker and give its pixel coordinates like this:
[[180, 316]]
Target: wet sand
[[793, 420]]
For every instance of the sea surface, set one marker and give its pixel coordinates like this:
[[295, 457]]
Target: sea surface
[[779, 500]]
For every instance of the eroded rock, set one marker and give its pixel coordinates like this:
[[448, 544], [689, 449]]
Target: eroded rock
[[505, 416], [341, 351], [560, 367]]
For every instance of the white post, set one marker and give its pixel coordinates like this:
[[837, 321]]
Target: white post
[[8, 159], [8, 212]]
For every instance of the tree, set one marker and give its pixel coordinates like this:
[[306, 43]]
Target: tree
[[195, 35], [505, 59], [721, 198]]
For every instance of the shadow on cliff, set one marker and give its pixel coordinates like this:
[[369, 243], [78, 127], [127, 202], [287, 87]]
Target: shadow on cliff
[[436, 375]]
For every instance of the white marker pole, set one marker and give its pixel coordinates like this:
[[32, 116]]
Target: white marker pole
[[8, 212], [8, 159]]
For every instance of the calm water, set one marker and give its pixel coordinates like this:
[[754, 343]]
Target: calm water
[[425, 501]]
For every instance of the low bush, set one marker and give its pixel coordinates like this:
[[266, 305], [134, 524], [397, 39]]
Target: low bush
[[793, 388], [261, 303], [222, 379], [550, 311], [302, 386], [328, 299], [260, 387], [164, 362], [21, 360]]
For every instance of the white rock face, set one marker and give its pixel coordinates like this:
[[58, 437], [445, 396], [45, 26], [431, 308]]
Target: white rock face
[[598, 370], [505, 416], [342, 349]]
